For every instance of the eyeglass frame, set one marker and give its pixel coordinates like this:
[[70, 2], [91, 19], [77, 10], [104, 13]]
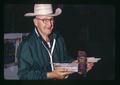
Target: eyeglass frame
[[46, 20]]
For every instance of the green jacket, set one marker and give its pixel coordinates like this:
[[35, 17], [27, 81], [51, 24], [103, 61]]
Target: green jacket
[[33, 58]]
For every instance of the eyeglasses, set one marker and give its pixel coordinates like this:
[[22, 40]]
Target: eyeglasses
[[46, 20]]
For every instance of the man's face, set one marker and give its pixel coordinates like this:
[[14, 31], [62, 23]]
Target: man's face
[[44, 24]]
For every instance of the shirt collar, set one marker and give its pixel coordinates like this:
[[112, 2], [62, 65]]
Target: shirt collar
[[36, 32]]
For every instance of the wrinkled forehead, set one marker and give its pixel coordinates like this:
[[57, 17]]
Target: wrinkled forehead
[[44, 17]]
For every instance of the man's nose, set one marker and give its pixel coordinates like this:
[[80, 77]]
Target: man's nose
[[49, 23]]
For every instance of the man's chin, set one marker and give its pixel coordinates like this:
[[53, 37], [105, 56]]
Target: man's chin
[[49, 33]]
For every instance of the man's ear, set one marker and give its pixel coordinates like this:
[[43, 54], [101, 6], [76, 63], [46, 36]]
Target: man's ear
[[35, 22]]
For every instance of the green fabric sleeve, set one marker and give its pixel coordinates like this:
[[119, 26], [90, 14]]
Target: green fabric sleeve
[[26, 70]]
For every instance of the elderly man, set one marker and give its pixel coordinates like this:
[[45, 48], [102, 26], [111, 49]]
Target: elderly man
[[43, 47]]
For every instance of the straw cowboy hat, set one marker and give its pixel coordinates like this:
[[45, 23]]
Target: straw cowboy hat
[[44, 10]]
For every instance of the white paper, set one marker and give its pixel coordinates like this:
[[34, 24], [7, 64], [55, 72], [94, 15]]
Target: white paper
[[71, 67], [93, 59]]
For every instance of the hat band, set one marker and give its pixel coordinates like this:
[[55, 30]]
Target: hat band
[[42, 12]]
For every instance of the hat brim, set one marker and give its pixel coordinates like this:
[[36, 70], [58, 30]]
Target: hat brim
[[58, 11]]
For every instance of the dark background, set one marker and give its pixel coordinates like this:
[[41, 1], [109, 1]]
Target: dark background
[[84, 27]]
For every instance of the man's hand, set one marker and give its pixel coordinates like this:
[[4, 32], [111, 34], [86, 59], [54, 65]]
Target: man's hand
[[89, 65], [58, 74]]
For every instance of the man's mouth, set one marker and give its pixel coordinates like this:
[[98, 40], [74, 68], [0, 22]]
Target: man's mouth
[[49, 28]]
